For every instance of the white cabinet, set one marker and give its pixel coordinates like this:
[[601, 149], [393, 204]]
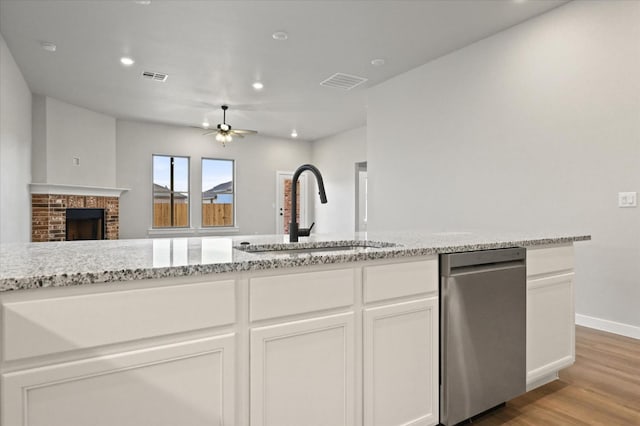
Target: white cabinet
[[300, 293], [378, 360], [303, 373], [400, 344], [188, 383], [401, 364], [408, 279], [72, 319], [320, 346], [550, 313]]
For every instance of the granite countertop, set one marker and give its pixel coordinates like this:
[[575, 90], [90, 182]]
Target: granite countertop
[[57, 264]]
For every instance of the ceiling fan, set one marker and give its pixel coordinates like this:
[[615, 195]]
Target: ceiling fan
[[224, 133]]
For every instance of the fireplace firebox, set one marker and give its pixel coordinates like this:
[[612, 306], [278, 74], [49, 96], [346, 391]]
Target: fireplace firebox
[[49, 215], [85, 224]]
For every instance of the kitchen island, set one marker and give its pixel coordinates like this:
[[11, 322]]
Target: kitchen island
[[201, 331]]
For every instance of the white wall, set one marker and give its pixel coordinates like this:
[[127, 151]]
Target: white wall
[[257, 160], [537, 127], [336, 157], [65, 131], [15, 151], [39, 139]]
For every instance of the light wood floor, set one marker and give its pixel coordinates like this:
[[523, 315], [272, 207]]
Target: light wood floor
[[601, 388]]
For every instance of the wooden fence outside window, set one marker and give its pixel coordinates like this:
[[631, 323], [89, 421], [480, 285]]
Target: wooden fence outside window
[[212, 215]]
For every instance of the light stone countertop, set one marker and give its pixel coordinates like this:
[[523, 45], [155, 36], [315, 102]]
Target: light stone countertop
[[57, 264]]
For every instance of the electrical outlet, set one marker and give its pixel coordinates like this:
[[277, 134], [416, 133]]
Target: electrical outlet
[[627, 199]]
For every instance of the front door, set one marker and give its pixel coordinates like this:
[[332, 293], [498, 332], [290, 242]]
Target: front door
[[283, 201], [361, 197]]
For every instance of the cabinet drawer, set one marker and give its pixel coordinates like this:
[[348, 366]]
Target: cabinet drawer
[[549, 260], [399, 280], [47, 326], [281, 295]]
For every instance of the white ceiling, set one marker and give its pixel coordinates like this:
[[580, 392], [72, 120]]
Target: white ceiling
[[214, 50]]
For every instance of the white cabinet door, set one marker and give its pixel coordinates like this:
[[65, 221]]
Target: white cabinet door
[[188, 383], [550, 326], [401, 364], [302, 373]]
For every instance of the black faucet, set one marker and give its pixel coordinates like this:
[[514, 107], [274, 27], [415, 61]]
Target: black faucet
[[294, 231]]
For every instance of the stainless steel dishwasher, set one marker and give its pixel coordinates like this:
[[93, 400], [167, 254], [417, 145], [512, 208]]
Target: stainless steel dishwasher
[[482, 331]]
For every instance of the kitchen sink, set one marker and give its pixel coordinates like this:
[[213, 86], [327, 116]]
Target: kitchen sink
[[315, 247]]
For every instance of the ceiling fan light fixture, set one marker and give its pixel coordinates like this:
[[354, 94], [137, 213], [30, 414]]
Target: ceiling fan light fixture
[[225, 133]]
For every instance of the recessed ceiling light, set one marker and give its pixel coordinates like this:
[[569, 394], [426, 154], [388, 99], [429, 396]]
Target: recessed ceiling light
[[205, 124], [48, 46], [377, 62], [127, 61], [143, 2], [294, 134], [258, 85], [280, 35]]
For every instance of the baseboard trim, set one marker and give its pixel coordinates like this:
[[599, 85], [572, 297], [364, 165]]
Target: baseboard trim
[[609, 326], [542, 381]]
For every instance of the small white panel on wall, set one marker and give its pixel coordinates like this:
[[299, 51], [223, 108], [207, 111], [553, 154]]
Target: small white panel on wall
[[627, 199]]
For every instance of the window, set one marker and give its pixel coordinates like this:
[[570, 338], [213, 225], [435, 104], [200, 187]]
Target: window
[[218, 192], [170, 191]]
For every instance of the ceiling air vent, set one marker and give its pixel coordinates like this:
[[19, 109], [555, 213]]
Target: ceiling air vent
[[343, 81], [157, 76]]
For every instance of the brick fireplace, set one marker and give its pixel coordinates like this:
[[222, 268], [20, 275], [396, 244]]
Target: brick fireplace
[[49, 214]]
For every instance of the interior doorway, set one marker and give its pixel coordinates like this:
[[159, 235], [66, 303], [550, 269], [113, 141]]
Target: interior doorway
[[283, 201], [361, 197]]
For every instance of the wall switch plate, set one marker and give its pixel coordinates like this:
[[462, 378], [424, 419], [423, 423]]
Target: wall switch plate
[[627, 199]]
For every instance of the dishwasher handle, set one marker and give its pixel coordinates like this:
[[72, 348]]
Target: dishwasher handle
[[455, 263], [488, 267]]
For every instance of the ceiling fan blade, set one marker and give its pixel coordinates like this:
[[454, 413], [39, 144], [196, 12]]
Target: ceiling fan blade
[[245, 132], [213, 132], [234, 134]]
